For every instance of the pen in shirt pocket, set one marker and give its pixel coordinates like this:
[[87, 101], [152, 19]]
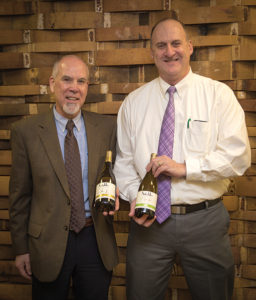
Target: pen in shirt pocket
[[189, 120]]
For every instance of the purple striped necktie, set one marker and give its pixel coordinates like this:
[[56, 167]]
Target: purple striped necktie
[[165, 147]]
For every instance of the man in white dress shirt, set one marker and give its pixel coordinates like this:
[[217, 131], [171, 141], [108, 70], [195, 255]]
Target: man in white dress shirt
[[210, 146]]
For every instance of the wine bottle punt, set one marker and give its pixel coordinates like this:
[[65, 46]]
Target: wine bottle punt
[[147, 195], [106, 187]]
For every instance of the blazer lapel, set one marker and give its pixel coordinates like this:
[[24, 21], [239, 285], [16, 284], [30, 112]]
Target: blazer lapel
[[49, 137]]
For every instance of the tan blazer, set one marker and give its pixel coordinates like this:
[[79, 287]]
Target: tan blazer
[[39, 192]]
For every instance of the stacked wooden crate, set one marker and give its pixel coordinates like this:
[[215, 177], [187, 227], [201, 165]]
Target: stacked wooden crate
[[113, 38]]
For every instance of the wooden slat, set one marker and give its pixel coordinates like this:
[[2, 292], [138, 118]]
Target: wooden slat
[[121, 239], [10, 37], [5, 238], [25, 77], [253, 156], [252, 141], [5, 157], [26, 60], [77, 35], [245, 49], [248, 2], [248, 271], [223, 14], [4, 214], [218, 53], [6, 252], [246, 186], [120, 270], [48, 7], [132, 5], [243, 215], [248, 85], [11, 60], [15, 291], [18, 109], [251, 131], [247, 28], [122, 33], [231, 202], [8, 268], [104, 107], [118, 292], [249, 240], [214, 40], [248, 105], [19, 90], [143, 33], [4, 185], [53, 47], [120, 88], [4, 134], [116, 57], [73, 20], [17, 8], [250, 119]]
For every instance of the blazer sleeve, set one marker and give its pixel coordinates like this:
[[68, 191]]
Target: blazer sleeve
[[20, 192]]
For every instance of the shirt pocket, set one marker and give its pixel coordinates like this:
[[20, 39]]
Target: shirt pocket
[[197, 136]]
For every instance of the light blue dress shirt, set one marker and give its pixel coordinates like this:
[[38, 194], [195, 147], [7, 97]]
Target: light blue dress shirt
[[80, 134]]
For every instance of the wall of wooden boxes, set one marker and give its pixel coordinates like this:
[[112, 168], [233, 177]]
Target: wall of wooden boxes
[[113, 38]]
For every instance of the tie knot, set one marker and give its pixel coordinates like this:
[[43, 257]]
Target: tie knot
[[171, 90], [70, 125]]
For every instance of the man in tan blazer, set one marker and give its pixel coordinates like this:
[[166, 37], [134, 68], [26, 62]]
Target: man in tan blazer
[[40, 206]]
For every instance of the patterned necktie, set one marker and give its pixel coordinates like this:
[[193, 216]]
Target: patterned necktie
[[165, 147], [74, 175]]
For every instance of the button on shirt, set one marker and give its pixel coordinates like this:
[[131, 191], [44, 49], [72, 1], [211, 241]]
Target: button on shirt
[[80, 134], [210, 137]]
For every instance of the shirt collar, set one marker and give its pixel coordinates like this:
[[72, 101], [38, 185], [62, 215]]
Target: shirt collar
[[62, 121], [181, 86]]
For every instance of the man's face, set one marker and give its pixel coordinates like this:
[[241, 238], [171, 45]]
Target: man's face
[[70, 86], [171, 51]]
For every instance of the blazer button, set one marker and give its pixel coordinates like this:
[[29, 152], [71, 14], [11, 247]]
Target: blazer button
[[66, 228]]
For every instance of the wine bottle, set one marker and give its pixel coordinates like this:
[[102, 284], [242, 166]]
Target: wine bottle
[[147, 195], [106, 187]]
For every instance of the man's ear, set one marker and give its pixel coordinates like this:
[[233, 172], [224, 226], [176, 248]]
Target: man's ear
[[191, 48], [52, 83]]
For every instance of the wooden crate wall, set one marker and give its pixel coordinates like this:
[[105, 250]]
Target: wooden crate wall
[[113, 38]]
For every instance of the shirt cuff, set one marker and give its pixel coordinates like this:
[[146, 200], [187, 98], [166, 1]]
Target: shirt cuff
[[193, 169]]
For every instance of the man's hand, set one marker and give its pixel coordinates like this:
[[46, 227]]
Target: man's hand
[[143, 221], [112, 212], [167, 166], [22, 263]]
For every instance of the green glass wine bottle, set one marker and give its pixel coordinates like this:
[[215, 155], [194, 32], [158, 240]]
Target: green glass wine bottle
[[147, 195], [106, 187]]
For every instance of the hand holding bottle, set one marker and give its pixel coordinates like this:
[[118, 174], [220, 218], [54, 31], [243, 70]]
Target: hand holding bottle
[[143, 208], [117, 204], [167, 166], [143, 221], [107, 194]]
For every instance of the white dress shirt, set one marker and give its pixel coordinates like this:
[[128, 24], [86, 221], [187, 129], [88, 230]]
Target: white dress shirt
[[210, 137]]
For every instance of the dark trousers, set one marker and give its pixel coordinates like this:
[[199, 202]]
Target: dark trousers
[[200, 239], [82, 263]]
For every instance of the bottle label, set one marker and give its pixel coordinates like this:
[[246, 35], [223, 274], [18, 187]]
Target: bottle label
[[146, 199], [105, 190]]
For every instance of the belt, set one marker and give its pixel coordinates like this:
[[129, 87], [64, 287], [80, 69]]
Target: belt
[[88, 222], [183, 209]]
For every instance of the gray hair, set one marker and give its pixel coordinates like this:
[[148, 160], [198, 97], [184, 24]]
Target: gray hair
[[55, 68]]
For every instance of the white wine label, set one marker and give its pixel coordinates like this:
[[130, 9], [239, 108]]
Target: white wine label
[[146, 199], [105, 190]]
